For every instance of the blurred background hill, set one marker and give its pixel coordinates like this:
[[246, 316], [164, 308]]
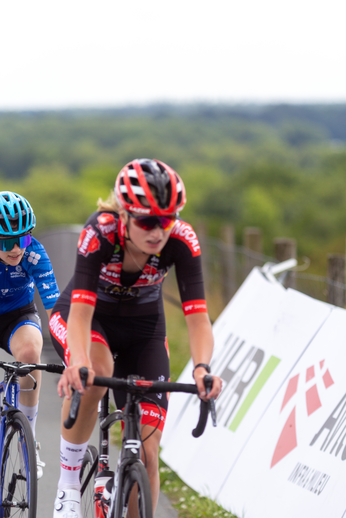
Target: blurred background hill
[[280, 167]]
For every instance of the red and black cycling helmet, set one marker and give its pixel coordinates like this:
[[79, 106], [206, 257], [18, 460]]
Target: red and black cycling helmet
[[149, 188]]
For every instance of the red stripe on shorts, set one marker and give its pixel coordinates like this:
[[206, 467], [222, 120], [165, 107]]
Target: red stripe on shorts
[[153, 416]]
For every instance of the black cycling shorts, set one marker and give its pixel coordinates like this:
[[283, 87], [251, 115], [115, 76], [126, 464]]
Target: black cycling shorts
[[11, 321], [138, 344]]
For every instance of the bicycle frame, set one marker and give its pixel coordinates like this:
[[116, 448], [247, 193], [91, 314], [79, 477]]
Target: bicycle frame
[[131, 447], [130, 456], [9, 404], [8, 387], [130, 451]]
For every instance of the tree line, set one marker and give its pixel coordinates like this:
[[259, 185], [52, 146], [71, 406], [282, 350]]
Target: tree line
[[280, 167]]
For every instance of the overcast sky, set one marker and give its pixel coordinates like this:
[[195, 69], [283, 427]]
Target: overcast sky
[[100, 53]]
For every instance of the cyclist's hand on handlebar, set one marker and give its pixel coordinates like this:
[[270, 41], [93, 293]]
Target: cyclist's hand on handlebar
[[71, 379], [199, 374]]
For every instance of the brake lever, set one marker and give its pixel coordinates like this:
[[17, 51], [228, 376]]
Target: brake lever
[[208, 383], [75, 400]]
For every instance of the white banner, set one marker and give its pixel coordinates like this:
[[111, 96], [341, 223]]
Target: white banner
[[294, 464], [259, 338]]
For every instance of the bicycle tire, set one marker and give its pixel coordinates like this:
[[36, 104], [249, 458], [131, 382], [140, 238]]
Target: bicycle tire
[[87, 476], [18, 472], [136, 475]]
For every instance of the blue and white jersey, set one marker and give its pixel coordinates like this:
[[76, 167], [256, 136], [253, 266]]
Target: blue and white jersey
[[17, 283]]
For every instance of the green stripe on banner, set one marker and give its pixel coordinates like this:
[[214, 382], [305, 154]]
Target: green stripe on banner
[[265, 374]]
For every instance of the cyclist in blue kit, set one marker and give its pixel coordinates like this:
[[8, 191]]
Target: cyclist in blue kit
[[113, 306], [24, 263]]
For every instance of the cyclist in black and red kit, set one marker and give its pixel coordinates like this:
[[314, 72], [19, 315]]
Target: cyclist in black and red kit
[[114, 306]]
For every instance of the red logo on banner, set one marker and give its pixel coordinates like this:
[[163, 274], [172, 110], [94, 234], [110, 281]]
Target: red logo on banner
[[288, 437], [88, 243], [107, 225]]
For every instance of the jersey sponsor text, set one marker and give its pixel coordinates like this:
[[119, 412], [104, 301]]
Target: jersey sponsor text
[[58, 328], [84, 296], [88, 242], [185, 232], [195, 306], [107, 225]]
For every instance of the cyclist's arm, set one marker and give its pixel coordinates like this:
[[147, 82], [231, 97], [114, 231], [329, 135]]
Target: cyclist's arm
[[78, 339], [49, 312], [40, 267], [201, 347], [93, 250]]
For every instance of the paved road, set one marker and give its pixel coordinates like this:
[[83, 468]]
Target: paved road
[[48, 434]]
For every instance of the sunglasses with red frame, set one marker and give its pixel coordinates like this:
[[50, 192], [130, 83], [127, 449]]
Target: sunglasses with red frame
[[151, 222]]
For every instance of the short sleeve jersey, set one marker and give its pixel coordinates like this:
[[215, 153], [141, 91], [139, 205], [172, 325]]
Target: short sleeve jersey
[[17, 283], [100, 281]]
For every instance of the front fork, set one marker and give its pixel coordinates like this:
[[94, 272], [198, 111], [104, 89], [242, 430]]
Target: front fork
[[130, 452], [10, 389]]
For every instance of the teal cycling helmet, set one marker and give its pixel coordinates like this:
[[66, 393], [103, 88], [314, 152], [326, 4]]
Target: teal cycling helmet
[[16, 215]]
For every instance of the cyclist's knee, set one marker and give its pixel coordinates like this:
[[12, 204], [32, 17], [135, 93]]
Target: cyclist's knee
[[93, 395], [29, 352], [103, 369], [26, 344], [102, 360]]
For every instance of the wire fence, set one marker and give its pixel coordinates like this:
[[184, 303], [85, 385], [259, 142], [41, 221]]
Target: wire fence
[[225, 268], [228, 266]]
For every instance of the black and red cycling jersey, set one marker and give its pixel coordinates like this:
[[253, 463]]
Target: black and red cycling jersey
[[115, 292], [129, 315]]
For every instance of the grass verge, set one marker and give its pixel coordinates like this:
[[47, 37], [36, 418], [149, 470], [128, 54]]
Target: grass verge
[[187, 502]]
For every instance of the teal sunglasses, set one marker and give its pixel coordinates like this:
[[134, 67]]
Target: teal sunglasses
[[6, 245]]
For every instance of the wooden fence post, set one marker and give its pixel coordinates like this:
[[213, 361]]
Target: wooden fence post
[[336, 276], [286, 248], [252, 238], [228, 262]]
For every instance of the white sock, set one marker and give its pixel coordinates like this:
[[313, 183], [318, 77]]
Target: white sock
[[71, 459], [31, 413]]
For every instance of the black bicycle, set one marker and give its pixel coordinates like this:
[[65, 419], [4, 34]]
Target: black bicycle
[[112, 500], [18, 469]]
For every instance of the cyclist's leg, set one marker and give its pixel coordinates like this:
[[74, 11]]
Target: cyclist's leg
[[150, 458], [147, 357], [102, 362], [74, 442], [23, 339], [26, 346]]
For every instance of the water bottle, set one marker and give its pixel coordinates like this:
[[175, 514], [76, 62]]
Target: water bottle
[[101, 505], [107, 492]]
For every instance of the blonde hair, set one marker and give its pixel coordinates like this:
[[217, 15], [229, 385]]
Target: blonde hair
[[110, 203]]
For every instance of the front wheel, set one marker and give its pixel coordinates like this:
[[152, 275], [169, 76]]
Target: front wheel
[[18, 472], [87, 478], [136, 492]]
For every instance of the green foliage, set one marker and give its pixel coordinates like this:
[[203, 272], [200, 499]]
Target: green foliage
[[281, 168]]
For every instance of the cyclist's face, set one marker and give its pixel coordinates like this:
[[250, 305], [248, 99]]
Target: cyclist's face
[[148, 241], [12, 257]]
